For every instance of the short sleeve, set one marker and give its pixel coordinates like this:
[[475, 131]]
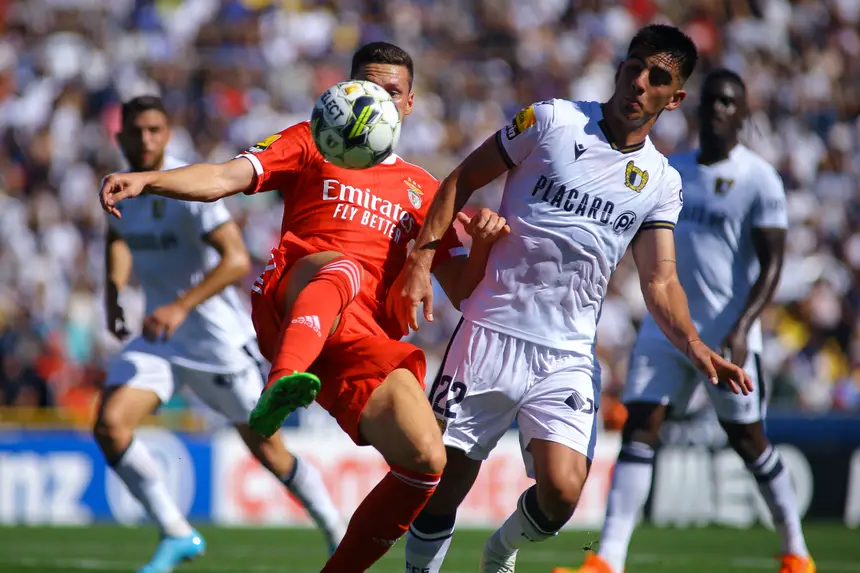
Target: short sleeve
[[665, 214], [207, 216], [279, 157], [769, 206], [449, 248], [517, 139]]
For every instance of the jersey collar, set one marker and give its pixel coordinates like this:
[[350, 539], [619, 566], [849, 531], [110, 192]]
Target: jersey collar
[[604, 127]]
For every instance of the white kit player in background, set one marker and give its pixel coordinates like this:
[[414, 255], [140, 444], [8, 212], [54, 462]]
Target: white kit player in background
[[583, 182], [730, 244], [197, 334]]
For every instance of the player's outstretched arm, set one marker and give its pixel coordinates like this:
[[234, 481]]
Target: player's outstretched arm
[[654, 253], [459, 276], [235, 263], [481, 167], [205, 182], [117, 272]]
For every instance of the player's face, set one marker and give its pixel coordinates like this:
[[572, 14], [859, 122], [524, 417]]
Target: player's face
[[144, 139], [645, 85], [395, 80], [722, 109]]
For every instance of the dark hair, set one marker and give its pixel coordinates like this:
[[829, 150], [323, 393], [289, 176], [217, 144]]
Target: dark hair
[[669, 40], [134, 107], [382, 53], [719, 74]]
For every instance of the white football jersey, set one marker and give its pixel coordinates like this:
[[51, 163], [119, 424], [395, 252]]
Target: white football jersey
[[170, 255], [574, 201], [717, 262]]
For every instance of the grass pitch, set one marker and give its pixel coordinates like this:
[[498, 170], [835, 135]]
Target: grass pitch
[[110, 549]]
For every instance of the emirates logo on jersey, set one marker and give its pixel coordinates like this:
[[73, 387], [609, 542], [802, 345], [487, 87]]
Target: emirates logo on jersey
[[370, 210], [415, 192]]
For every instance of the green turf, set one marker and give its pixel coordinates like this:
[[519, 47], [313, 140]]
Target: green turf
[[117, 549]]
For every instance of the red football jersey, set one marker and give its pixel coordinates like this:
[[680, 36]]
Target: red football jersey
[[368, 214]]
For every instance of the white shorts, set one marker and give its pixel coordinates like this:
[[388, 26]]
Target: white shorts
[[488, 379], [659, 373], [143, 365]]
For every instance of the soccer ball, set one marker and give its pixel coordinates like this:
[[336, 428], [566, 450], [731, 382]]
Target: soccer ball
[[355, 124]]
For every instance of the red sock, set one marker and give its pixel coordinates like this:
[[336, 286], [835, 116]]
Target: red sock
[[381, 519], [305, 330]]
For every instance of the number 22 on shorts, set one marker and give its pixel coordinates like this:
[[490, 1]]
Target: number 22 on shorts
[[445, 393]]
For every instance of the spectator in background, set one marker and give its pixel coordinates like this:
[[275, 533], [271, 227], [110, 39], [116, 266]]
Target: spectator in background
[[230, 69]]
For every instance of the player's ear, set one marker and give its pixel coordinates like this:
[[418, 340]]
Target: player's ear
[[676, 100], [409, 100]]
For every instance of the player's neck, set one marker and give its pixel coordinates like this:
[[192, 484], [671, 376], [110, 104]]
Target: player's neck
[[713, 150], [622, 131], [157, 167]]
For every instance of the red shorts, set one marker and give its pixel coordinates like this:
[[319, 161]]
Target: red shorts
[[355, 360]]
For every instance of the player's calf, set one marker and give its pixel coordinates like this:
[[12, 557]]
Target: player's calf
[[544, 508], [631, 481], [430, 534], [398, 422], [301, 478], [121, 411], [774, 483]]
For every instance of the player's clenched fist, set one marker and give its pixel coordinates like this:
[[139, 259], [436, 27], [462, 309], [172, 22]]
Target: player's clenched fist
[[485, 227], [718, 369], [121, 186]]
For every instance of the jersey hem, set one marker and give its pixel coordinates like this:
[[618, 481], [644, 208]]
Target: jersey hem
[[507, 158], [258, 167], [657, 225]]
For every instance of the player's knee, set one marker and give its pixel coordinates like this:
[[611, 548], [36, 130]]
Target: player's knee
[[112, 430], [429, 455], [643, 423], [559, 495], [748, 440]]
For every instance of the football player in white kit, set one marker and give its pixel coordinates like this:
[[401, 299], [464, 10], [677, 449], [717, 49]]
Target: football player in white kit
[[583, 182], [197, 334], [730, 243]]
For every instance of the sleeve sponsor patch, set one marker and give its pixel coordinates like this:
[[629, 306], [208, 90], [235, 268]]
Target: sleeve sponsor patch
[[522, 121], [265, 144]]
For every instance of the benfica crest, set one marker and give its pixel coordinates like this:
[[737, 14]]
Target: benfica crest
[[415, 192]]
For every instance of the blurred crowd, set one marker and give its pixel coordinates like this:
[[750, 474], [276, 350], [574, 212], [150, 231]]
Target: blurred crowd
[[233, 71]]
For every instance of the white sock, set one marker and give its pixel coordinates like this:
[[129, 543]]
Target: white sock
[[526, 525], [142, 476], [631, 483], [427, 542], [306, 483], [774, 483]]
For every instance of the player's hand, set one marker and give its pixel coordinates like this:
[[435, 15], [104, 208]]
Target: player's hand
[[412, 288], [163, 322], [736, 346], [121, 186], [485, 227], [718, 369], [116, 321]]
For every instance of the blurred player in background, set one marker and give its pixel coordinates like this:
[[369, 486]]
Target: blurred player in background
[[320, 304], [730, 246], [197, 334], [583, 182]]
